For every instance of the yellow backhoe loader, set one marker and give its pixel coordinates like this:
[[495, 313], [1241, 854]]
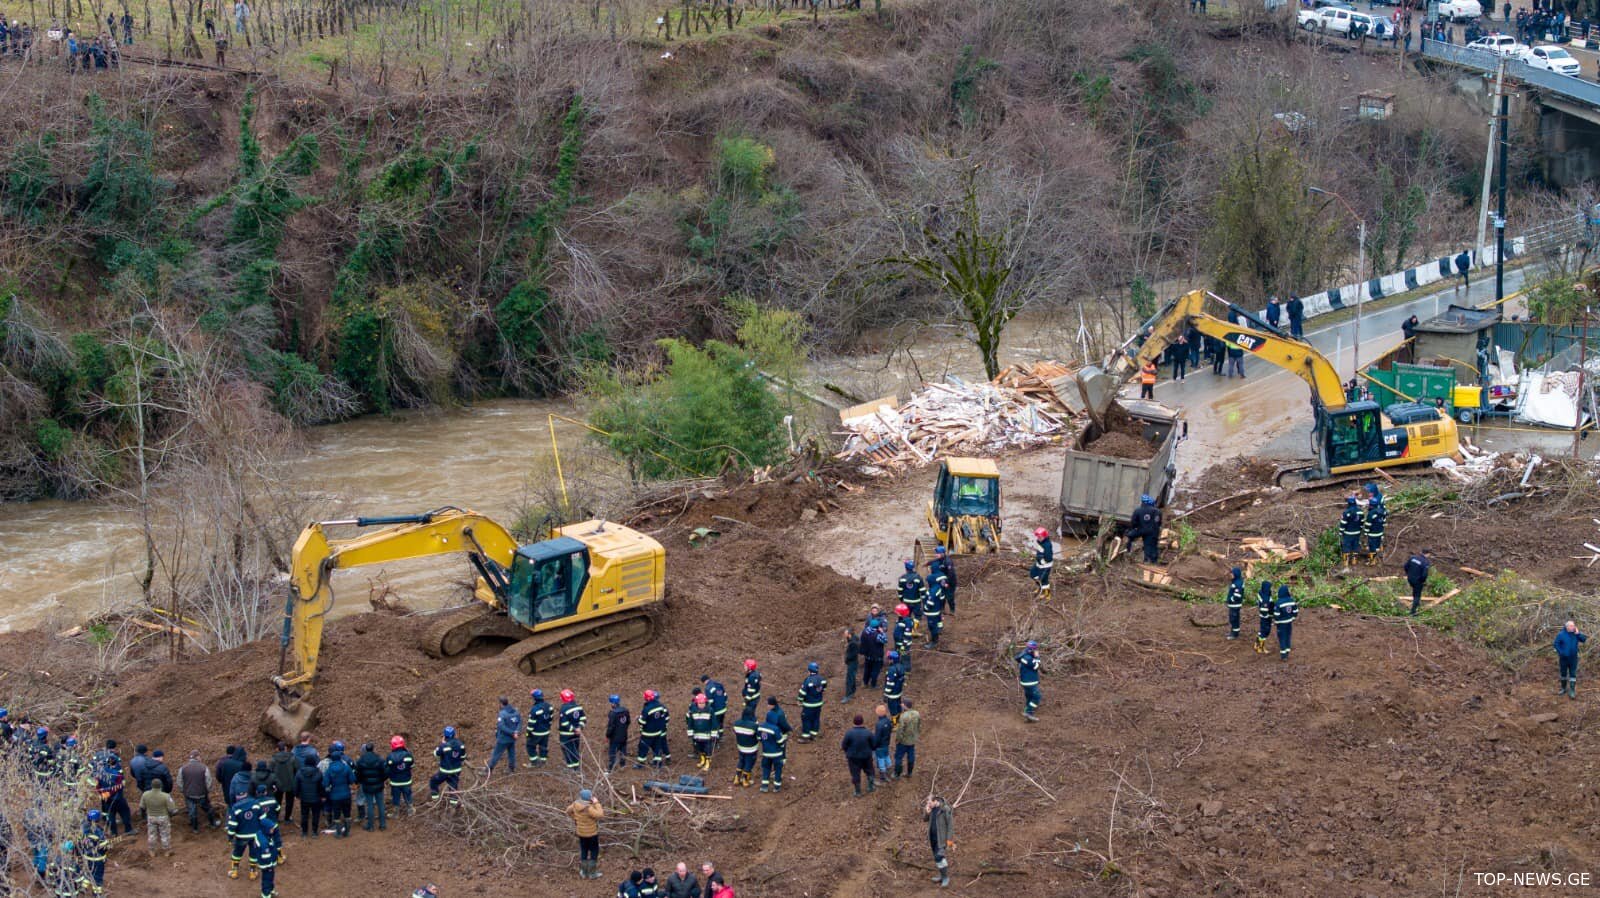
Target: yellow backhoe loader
[[964, 512], [1346, 437], [590, 588]]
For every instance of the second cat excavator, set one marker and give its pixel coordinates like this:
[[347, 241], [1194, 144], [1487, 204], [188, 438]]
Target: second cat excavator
[[1346, 437], [589, 588]]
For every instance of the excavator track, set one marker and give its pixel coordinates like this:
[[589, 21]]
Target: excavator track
[[455, 631], [612, 635]]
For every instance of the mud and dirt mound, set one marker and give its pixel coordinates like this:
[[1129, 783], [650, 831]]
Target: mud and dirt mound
[[1121, 444]]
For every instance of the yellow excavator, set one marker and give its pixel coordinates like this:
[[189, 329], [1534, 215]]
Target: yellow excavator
[[964, 512], [1347, 437], [589, 588]]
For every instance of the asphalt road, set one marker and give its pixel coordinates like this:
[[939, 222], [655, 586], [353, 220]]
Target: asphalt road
[[1269, 411]]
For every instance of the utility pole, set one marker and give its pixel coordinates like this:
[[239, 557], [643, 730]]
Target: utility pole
[[1583, 358], [1500, 217], [1488, 158]]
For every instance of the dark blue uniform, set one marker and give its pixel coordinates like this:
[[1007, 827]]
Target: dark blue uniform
[[653, 720], [902, 639], [1284, 616], [1235, 602], [1028, 677], [774, 748], [751, 692], [1417, 568], [244, 821], [894, 684], [567, 731], [943, 570], [540, 715], [933, 613], [92, 848], [912, 591], [265, 850], [717, 698], [701, 723], [1146, 524], [1264, 613], [1350, 531], [812, 689], [1566, 646], [451, 754], [397, 768], [1044, 558], [748, 740], [1377, 518]]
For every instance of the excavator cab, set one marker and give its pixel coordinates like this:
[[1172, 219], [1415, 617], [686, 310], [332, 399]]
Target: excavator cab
[[547, 580], [1354, 435]]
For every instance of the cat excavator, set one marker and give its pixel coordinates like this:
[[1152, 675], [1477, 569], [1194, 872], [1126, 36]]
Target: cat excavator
[[1347, 437], [589, 588]]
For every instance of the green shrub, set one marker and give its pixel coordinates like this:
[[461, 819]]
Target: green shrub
[[53, 439]]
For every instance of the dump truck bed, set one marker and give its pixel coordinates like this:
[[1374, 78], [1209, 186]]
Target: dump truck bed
[[1106, 483]]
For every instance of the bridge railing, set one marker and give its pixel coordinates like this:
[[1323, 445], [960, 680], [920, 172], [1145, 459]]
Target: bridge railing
[[1575, 89]]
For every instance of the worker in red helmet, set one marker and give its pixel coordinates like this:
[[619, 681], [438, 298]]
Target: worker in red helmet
[[913, 592], [569, 728], [752, 687], [653, 720], [904, 628], [701, 723], [397, 767], [1044, 558]]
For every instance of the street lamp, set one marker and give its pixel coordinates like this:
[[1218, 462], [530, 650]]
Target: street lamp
[[1361, 265]]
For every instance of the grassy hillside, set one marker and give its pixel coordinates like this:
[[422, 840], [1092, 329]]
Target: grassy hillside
[[565, 201]]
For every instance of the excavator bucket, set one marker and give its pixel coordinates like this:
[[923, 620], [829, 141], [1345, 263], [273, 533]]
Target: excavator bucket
[[1098, 389], [287, 723]]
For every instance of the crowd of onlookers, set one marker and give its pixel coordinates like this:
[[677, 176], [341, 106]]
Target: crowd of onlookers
[[76, 49]]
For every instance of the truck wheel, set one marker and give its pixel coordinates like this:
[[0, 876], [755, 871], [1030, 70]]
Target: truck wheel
[[1465, 415]]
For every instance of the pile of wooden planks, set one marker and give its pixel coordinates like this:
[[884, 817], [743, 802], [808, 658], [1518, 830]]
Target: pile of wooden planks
[[945, 418], [1267, 549], [1048, 383]]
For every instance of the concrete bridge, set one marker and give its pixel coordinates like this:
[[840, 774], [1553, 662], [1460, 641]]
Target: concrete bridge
[[1564, 109]]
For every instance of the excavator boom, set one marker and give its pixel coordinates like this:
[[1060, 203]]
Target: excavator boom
[[442, 531]]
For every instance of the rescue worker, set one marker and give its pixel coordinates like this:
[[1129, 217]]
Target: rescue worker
[[451, 754], [1264, 611], [1235, 602], [397, 766], [812, 690], [92, 848], [1146, 524], [1044, 558], [873, 641], [747, 739], [904, 627], [648, 886], [937, 812], [244, 821], [569, 728], [717, 697], [540, 714], [62, 872], [653, 720], [617, 721], [1566, 646], [1372, 526], [41, 756], [1028, 677], [894, 684], [852, 664], [1147, 380], [752, 686], [913, 590], [933, 612], [1350, 531], [265, 851], [774, 747], [1417, 568], [1284, 616], [947, 569], [507, 727], [111, 783], [700, 722]]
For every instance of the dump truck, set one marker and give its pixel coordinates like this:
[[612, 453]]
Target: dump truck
[[1137, 444]]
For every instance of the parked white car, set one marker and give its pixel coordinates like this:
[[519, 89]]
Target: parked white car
[[1554, 59], [1343, 21], [1460, 10], [1499, 44]]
